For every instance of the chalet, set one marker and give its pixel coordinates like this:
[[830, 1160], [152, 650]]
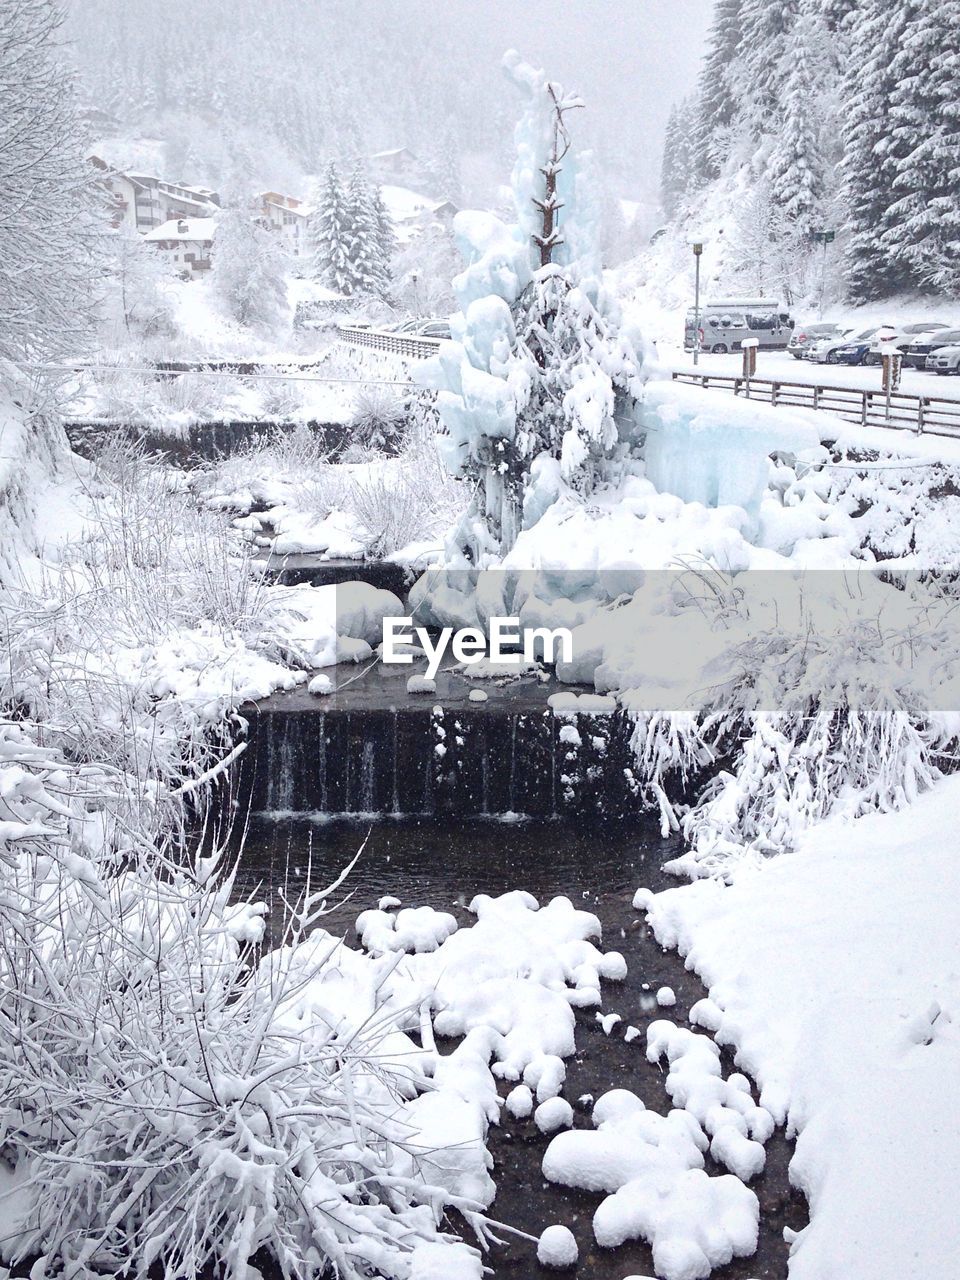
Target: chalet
[[188, 241], [399, 168], [141, 202], [288, 216]]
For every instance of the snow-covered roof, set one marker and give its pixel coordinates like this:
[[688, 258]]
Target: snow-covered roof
[[395, 151], [184, 229]]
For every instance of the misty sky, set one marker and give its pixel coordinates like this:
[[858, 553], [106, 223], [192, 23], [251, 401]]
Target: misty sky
[[629, 58]]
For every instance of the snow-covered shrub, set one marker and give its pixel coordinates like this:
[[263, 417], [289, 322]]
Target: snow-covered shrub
[[279, 398], [194, 395], [158, 1099], [814, 724], [379, 417], [152, 570]]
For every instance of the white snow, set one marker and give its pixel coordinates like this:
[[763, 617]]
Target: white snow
[[557, 1247], [554, 1114], [666, 997], [848, 1024], [651, 1166], [519, 1102]]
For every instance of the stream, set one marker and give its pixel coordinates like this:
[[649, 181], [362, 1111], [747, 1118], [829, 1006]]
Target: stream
[[443, 862]]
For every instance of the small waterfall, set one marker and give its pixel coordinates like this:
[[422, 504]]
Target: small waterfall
[[415, 760]]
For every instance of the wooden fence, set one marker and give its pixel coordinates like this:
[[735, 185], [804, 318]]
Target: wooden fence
[[921, 414], [399, 344]]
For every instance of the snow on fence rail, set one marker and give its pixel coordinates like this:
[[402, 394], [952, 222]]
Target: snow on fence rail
[[400, 344], [921, 414]]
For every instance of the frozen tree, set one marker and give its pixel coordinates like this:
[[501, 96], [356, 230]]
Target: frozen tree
[[50, 243], [532, 394], [330, 231], [249, 270]]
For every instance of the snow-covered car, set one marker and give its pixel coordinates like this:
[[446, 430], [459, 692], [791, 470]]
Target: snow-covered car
[[805, 335], [916, 354], [824, 350], [901, 339], [860, 350], [945, 360], [434, 329]]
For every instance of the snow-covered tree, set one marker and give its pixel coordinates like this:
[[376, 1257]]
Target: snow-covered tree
[[50, 242], [369, 265], [870, 159], [384, 231], [423, 270], [330, 231], [139, 298], [795, 168], [249, 269], [532, 394], [922, 224], [718, 94], [765, 26]]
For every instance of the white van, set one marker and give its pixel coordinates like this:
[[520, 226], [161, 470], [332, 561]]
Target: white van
[[726, 322]]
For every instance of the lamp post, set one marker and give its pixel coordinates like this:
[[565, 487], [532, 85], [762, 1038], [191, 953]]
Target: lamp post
[[824, 238], [697, 253]]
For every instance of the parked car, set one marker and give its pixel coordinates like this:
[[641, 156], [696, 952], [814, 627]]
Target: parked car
[[916, 352], [857, 350], [824, 350], [805, 335], [901, 339], [944, 360], [434, 329]]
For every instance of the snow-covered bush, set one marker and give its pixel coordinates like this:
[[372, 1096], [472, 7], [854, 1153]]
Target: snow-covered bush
[[379, 417], [158, 1099], [279, 398]]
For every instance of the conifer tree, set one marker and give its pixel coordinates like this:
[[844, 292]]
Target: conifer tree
[[795, 169], [329, 229], [921, 232], [871, 159], [718, 89], [368, 267]]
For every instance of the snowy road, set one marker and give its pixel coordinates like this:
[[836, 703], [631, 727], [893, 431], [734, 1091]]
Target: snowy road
[[780, 365]]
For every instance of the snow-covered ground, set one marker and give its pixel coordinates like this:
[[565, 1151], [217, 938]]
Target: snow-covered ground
[[834, 972]]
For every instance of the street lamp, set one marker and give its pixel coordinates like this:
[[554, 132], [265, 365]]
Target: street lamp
[[697, 254], [824, 238]]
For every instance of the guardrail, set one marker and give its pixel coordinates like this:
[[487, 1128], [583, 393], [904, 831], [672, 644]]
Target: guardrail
[[400, 344], [930, 415]]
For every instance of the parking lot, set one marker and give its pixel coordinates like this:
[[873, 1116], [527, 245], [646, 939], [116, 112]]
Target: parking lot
[[779, 365]]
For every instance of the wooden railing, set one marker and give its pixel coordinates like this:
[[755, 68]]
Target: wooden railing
[[929, 414], [400, 344]]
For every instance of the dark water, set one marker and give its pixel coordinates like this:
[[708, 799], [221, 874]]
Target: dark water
[[443, 863]]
